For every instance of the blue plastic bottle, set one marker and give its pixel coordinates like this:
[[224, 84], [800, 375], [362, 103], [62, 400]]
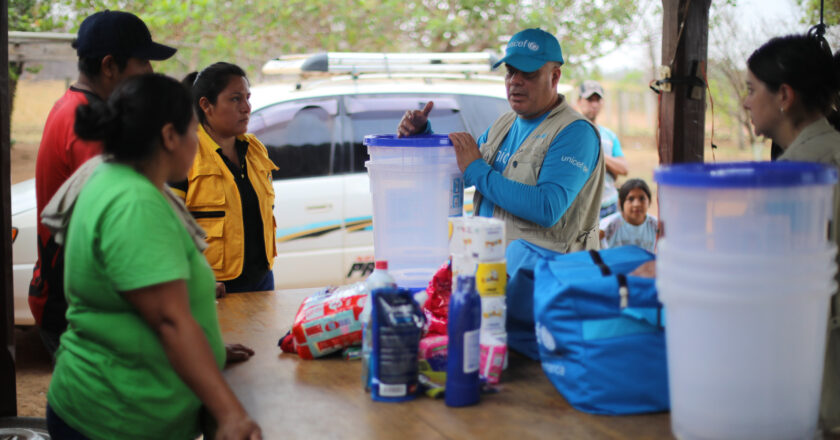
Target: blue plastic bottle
[[462, 364]]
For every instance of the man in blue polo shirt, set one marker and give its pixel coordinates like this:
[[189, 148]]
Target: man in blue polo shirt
[[539, 168]]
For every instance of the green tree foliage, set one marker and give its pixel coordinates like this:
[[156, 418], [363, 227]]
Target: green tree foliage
[[831, 11], [249, 32]]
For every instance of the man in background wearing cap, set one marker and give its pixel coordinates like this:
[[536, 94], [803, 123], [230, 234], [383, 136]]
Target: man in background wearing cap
[[539, 167], [111, 46], [589, 104]]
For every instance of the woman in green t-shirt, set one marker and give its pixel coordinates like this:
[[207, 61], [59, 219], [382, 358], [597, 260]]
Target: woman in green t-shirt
[[143, 348]]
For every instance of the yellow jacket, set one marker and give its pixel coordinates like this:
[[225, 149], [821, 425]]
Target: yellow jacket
[[213, 198]]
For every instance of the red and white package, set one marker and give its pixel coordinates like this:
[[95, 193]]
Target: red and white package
[[328, 321], [492, 358]]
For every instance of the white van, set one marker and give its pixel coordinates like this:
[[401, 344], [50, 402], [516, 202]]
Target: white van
[[314, 131]]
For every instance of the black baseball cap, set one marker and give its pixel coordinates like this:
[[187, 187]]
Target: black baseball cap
[[118, 33]]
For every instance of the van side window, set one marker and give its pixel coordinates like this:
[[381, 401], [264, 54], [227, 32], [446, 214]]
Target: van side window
[[380, 114], [481, 111], [299, 135]]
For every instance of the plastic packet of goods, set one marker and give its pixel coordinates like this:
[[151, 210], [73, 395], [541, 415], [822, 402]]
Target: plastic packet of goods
[[488, 240], [433, 351], [328, 321], [397, 327], [432, 364], [493, 315], [491, 278], [482, 238], [352, 353], [492, 359]]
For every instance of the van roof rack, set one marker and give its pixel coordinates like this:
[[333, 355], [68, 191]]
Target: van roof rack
[[355, 63]]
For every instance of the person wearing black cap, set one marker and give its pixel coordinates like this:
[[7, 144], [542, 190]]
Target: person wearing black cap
[[539, 168], [590, 99], [111, 46]]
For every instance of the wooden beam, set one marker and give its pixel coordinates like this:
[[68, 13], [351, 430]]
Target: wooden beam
[[37, 47], [39, 52], [685, 32], [55, 37], [8, 390]]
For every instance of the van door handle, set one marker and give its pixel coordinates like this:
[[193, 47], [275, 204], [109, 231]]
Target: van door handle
[[323, 207]]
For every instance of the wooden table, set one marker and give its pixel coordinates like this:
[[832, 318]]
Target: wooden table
[[292, 398]]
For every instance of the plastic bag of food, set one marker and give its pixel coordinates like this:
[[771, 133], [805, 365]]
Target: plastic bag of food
[[432, 366], [328, 321], [436, 307]]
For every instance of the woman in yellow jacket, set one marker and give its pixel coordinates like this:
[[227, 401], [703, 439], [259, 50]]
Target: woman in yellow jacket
[[229, 189]]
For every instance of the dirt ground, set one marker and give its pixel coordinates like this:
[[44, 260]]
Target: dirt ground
[[32, 104], [33, 370]]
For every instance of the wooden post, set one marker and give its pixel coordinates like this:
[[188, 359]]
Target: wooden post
[[8, 391], [683, 110]]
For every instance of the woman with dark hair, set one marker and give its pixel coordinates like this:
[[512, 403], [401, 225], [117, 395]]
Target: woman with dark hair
[[793, 85], [143, 348], [229, 188], [632, 224]]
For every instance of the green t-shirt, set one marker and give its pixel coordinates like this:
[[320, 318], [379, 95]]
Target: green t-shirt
[[112, 378]]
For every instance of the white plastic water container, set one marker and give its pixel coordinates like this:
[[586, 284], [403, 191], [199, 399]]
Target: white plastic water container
[[741, 369], [745, 271], [753, 207], [416, 186]]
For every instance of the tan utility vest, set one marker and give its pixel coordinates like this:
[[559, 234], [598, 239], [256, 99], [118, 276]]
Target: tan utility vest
[[213, 199], [577, 229], [820, 142]]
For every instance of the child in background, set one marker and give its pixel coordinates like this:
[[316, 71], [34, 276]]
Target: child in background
[[632, 225]]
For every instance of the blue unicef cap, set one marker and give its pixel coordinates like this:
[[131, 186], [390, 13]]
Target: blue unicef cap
[[745, 174], [528, 50]]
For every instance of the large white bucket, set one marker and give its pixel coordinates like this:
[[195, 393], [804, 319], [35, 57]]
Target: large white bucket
[[416, 185], [752, 207], [745, 271]]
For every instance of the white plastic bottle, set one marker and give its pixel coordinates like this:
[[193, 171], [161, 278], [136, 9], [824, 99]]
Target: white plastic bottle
[[380, 276], [378, 279]]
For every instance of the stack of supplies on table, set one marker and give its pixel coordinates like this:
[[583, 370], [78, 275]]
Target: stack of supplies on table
[[477, 247]]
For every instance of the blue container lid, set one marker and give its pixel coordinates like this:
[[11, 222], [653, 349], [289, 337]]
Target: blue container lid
[[421, 140], [745, 174]]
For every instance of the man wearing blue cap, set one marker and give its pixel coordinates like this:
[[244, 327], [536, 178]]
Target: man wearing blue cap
[[538, 168], [111, 46]]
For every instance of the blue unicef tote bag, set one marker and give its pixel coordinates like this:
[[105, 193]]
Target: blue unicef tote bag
[[600, 334], [522, 258]]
